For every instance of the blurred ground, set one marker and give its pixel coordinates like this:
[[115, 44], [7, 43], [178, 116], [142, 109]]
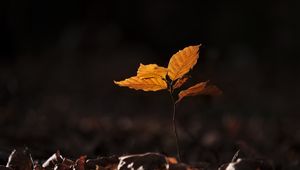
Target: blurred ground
[[59, 59]]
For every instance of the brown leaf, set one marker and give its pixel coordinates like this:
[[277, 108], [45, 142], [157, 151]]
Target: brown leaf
[[199, 89], [182, 62], [180, 82], [55, 159], [150, 84], [242, 164], [171, 160], [38, 167], [67, 164], [20, 160], [102, 162], [80, 163], [62, 167], [146, 161], [151, 71]]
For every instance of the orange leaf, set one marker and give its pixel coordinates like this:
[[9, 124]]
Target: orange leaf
[[182, 62], [151, 71], [180, 82], [149, 84], [199, 89]]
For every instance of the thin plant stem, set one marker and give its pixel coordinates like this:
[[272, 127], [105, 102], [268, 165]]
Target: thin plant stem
[[175, 127]]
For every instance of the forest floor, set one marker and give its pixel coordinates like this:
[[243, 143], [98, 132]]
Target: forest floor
[[111, 143]]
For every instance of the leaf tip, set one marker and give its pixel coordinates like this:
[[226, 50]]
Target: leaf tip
[[198, 46], [218, 91], [116, 82]]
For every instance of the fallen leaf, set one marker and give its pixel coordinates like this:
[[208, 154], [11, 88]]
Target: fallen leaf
[[182, 62], [199, 89], [145, 161], [151, 71], [55, 159], [150, 84], [61, 167], [67, 163], [171, 160], [37, 167], [80, 163], [243, 164], [107, 163], [20, 159]]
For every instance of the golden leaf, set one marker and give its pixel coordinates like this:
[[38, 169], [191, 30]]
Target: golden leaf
[[151, 71], [149, 84], [180, 82], [198, 89], [182, 62]]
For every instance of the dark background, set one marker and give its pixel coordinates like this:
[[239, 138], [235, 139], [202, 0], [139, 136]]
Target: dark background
[[59, 59]]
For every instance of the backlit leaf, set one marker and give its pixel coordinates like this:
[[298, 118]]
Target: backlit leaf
[[151, 71], [199, 89], [149, 84], [182, 62], [180, 82]]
